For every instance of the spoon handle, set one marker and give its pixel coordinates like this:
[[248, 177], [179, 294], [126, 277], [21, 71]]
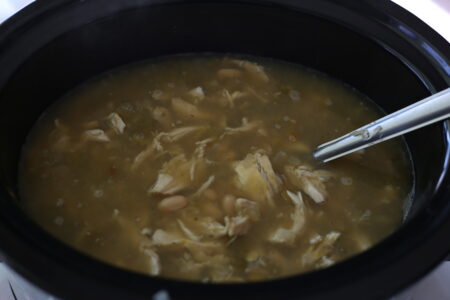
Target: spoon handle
[[422, 113]]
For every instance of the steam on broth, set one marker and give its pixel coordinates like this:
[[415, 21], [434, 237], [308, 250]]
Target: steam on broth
[[200, 168]]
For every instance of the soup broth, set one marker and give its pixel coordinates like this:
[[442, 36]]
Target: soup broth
[[200, 168]]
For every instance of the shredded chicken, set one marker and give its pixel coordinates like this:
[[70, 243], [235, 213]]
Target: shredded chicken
[[246, 127], [249, 208], [154, 262], [166, 185], [197, 93], [189, 234], [310, 182], [204, 186], [255, 70], [316, 238], [201, 147], [198, 157], [116, 123], [214, 228], [288, 236], [232, 227], [176, 134], [256, 177], [230, 97], [164, 137], [238, 225], [324, 262], [162, 238], [192, 170], [96, 135], [247, 212], [318, 251], [173, 177]]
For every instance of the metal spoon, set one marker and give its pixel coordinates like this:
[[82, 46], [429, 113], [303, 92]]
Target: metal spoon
[[422, 113]]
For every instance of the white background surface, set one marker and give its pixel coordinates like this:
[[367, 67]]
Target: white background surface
[[5, 291], [9, 7], [435, 13]]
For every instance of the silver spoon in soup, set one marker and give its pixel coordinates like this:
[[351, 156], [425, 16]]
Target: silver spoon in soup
[[422, 113]]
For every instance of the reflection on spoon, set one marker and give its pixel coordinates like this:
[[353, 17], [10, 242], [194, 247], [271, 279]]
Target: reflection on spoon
[[422, 113]]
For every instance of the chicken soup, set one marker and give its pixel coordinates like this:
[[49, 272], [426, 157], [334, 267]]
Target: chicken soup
[[201, 168]]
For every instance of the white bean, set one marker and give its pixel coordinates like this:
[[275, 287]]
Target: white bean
[[228, 73], [172, 203], [228, 204]]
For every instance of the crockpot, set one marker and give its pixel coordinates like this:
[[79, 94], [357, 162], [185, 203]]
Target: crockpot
[[380, 49]]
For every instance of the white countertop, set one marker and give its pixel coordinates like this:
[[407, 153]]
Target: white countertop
[[435, 13]]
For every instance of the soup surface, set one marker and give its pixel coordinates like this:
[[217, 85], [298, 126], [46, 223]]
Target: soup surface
[[200, 168]]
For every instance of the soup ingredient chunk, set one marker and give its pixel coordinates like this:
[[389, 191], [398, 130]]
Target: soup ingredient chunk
[[309, 181], [256, 177], [288, 236]]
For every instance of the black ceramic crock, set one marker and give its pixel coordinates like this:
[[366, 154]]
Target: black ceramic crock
[[377, 47]]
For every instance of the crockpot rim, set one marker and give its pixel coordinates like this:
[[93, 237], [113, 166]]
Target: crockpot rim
[[15, 22]]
